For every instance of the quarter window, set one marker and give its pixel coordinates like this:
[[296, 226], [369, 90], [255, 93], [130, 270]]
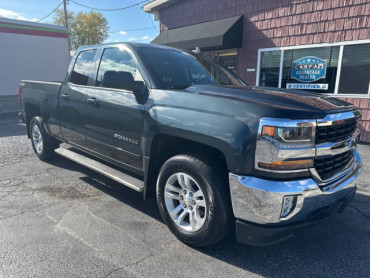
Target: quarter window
[[83, 67]]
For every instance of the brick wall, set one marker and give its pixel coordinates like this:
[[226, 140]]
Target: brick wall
[[270, 23], [364, 124]]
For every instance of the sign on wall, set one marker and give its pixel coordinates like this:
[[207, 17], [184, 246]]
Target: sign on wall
[[309, 69], [314, 86]]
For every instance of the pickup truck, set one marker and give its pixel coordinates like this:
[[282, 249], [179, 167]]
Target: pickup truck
[[218, 155]]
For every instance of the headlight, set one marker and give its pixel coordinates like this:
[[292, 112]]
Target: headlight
[[285, 145], [301, 134]]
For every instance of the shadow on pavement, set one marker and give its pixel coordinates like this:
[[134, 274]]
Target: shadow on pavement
[[111, 187], [339, 247]]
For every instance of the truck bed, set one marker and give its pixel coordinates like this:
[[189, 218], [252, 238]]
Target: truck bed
[[41, 97], [29, 87]]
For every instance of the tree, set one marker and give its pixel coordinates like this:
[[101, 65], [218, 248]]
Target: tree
[[60, 20], [85, 28], [91, 28]]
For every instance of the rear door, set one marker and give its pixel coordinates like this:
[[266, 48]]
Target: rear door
[[72, 98], [114, 118]]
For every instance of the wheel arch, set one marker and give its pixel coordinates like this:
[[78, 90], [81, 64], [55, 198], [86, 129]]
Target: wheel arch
[[164, 146], [31, 110]]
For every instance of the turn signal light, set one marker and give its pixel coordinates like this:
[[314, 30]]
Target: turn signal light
[[287, 165], [268, 131]]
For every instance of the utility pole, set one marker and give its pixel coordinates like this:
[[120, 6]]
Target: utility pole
[[66, 21]]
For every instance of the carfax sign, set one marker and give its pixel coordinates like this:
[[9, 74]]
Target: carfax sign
[[309, 69]]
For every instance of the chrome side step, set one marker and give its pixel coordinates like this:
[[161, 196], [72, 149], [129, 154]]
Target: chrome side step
[[103, 169]]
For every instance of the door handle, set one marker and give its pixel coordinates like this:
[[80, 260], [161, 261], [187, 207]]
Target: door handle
[[92, 101], [64, 96]]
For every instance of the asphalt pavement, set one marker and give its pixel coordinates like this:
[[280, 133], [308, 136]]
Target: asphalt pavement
[[60, 219]]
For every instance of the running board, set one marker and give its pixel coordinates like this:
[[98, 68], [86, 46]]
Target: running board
[[103, 169]]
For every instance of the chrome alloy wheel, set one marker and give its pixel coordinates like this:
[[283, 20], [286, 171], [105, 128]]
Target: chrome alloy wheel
[[185, 202], [37, 139]]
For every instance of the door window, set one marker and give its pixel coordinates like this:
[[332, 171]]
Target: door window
[[117, 69], [83, 67]]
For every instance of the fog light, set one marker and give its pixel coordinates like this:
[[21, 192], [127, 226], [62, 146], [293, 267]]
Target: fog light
[[289, 203]]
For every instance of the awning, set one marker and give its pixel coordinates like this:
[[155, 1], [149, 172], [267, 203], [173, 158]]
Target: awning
[[216, 34]]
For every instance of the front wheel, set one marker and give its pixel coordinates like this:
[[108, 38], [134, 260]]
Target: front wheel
[[193, 199], [42, 143]]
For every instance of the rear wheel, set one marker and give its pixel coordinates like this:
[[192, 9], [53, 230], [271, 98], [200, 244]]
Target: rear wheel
[[42, 143], [193, 199]]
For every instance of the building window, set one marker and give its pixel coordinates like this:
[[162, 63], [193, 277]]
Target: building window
[[270, 68], [311, 66], [324, 69], [355, 72], [227, 57]]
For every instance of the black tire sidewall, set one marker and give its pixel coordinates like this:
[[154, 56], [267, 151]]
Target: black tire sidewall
[[208, 231], [47, 151]]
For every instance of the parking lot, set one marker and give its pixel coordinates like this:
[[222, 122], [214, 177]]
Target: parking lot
[[60, 219]]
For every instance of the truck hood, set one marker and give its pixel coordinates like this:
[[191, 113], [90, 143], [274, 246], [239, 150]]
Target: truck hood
[[279, 99]]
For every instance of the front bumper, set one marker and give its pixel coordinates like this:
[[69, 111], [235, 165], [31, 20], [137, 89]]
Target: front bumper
[[258, 204]]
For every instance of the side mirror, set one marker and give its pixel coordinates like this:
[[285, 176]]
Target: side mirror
[[139, 88], [122, 80]]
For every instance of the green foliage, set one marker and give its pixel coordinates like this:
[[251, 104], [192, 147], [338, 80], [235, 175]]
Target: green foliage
[[85, 28]]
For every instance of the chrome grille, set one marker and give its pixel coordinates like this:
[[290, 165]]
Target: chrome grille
[[329, 166], [336, 132]]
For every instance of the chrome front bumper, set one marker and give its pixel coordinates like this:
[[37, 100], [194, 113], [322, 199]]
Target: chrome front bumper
[[260, 201]]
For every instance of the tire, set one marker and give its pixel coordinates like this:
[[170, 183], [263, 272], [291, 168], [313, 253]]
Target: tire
[[42, 143], [194, 200]]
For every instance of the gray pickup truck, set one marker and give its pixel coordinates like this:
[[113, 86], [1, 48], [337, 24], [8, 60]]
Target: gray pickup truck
[[216, 153]]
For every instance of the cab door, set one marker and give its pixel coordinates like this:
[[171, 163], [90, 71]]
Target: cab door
[[114, 118], [72, 98]]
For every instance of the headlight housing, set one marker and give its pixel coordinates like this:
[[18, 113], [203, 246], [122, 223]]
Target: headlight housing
[[285, 145]]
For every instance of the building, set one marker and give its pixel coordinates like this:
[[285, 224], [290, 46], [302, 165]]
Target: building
[[321, 46], [31, 51]]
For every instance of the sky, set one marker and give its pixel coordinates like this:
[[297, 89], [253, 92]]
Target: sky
[[123, 24]]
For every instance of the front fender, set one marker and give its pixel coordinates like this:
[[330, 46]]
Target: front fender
[[224, 133]]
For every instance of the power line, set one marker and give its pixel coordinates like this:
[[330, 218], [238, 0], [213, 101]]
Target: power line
[[108, 10], [152, 22], [139, 29], [49, 14], [146, 25]]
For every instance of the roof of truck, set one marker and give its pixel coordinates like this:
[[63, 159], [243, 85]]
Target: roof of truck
[[132, 44]]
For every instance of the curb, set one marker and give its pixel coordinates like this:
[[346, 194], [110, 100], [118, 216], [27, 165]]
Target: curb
[[9, 105], [9, 114]]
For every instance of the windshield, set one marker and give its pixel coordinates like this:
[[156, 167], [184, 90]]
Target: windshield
[[176, 69]]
